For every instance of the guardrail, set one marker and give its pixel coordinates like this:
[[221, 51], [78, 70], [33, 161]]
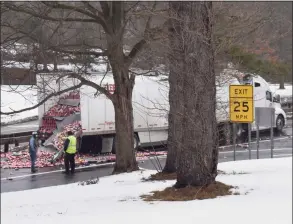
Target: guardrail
[[12, 140], [14, 135], [15, 138]]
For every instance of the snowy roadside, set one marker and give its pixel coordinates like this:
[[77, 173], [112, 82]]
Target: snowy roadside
[[17, 98], [116, 199], [287, 92], [19, 121]]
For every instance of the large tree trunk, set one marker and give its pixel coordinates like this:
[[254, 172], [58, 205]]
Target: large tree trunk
[[124, 142], [125, 153], [175, 127], [198, 156], [176, 65]]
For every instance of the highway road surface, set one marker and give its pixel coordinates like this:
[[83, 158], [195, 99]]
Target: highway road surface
[[16, 180], [23, 180]]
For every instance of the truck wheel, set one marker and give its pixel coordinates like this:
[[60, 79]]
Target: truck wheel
[[280, 123], [135, 145]]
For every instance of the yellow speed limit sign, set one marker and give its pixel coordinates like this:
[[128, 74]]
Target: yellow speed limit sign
[[241, 103]]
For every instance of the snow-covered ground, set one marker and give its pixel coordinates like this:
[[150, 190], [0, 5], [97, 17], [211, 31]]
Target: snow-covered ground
[[16, 98], [116, 199]]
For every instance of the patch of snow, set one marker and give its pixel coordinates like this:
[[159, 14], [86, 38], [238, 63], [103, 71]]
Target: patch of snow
[[15, 48], [287, 92], [16, 98], [116, 199], [97, 50], [16, 64]]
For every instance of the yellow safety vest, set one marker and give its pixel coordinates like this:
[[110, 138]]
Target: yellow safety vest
[[71, 149]]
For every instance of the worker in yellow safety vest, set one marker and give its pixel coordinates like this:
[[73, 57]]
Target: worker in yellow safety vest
[[70, 151]]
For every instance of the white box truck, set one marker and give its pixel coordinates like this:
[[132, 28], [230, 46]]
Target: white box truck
[[150, 109]]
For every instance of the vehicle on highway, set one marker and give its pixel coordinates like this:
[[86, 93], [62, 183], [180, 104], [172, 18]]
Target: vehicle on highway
[[264, 97], [150, 108]]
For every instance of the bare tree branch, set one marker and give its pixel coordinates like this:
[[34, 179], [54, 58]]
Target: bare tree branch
[[141, 44], [41, 16], [105, 8], [57, 49], [98, 18], [136, 49], [91, 8], [88, 83], [58, 5]]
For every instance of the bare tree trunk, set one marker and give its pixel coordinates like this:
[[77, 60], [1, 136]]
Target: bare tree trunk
[[176, 61], [174, 129], [198, 156], [125, 153], [175, 126], [55, 61], [44, 58], [35, 58], [282, 82]]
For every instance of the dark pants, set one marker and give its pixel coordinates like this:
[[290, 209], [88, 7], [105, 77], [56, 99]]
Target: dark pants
[[33, 156], [69, 160]]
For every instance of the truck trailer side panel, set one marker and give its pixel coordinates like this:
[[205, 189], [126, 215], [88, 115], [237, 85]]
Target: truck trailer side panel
[[98, 115]]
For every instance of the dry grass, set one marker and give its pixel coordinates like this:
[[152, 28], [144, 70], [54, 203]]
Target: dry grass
[[191, 193]]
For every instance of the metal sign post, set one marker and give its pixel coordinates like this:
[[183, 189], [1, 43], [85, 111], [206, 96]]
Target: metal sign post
[[249, 140], [272, 131], [257, 132], [257, 141], [234, 141], [241, 109]]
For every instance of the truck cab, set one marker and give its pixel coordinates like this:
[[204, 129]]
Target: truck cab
[[264, 97]]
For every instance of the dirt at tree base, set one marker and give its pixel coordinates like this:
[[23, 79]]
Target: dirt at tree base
[[191, 193]]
